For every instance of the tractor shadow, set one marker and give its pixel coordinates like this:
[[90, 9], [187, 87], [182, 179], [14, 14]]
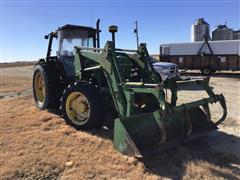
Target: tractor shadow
[[191, 87], [214, 151], [218, 149], [173, 162]]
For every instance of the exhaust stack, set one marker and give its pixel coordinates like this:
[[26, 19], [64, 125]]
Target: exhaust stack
[[98, 33]]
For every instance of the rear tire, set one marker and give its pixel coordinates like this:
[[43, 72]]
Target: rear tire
[[81, 106], [46, 86]]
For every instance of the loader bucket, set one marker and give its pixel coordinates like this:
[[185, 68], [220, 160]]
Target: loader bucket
[[148, 133]]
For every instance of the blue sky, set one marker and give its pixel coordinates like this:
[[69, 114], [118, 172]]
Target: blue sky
[[24, 23]]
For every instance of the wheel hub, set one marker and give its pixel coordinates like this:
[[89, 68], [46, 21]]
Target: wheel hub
[[77, 107]]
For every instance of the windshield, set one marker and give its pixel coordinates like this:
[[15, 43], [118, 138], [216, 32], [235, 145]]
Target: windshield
[[70, 38]]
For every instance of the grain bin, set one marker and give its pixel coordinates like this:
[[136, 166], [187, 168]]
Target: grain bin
[[222, 32], [236, 35], [199, 29]]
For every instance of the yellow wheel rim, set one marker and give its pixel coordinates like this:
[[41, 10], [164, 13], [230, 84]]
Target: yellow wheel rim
[[77, 108], [39, 89]]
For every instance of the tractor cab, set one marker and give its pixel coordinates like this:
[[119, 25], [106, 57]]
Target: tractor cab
[[67, 37], [70, 36]]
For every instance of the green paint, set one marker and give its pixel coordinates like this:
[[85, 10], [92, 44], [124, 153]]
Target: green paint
[[136, 130]]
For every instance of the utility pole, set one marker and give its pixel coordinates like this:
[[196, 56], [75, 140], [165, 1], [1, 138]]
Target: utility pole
[[136, 31]]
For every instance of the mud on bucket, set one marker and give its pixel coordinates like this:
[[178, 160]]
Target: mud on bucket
[[149, 133]]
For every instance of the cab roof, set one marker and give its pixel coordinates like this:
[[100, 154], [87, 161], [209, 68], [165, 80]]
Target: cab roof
[[71, 27]]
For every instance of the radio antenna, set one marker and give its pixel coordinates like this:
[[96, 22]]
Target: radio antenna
[[136, 32]]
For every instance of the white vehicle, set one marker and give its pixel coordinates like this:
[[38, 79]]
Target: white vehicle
[[166, 70]]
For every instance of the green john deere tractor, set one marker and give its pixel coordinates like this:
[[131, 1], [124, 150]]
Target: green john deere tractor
[[86, 83]]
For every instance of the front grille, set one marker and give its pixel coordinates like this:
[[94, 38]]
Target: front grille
[[173, 70]]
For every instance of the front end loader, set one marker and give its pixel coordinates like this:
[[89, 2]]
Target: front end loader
[[123, 83], [146, 122]]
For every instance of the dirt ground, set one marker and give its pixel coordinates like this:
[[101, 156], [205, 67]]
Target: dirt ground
[[39, 145]]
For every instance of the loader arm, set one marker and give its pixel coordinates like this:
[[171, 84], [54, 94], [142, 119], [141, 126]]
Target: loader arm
[[137, 130], [107, 60], [103, 60]]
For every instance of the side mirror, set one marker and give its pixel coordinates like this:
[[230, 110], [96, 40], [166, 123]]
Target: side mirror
[[46, 36]]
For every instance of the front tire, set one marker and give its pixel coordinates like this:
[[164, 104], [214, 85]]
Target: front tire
[[81, 106]]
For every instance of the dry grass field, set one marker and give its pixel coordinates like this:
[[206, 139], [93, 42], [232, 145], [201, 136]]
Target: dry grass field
[[39, 145]]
